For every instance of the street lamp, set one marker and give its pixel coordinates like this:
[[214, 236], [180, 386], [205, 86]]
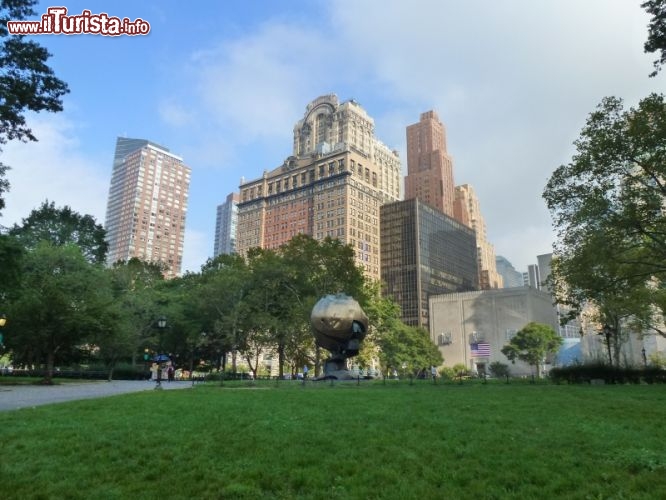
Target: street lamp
[[3, 322], [161, 325]]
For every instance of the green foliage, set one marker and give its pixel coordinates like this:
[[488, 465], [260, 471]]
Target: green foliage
[[585, 373], [532, 344], [4, 185], [499, 369], [607, 207], [656, 41], [62, 226], [61, 299], [408, 348], [11, 253], [26, 82]]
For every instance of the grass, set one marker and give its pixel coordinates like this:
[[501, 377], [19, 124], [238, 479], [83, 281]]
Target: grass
[[374, 441]]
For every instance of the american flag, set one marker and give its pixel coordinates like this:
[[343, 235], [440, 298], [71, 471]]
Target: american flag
[[480, 350]]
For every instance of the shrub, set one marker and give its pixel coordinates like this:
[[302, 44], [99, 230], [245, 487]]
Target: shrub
[[585, 373]]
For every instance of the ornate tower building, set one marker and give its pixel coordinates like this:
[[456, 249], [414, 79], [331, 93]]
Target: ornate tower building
[[332, 186]]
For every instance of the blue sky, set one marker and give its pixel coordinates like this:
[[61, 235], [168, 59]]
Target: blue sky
[[222, 83]]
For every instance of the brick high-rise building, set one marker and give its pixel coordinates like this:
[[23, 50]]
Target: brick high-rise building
[[147, 204], [468, 202], [429, 167], [333, 185]]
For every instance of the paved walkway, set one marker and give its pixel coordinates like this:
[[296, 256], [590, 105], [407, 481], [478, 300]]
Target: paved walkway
[[13, 397]]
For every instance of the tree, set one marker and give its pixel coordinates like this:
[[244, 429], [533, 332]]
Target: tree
[[61, 302], [61, 226], [532, 344], [607, 207], [499, 370], [26, 82], [656, 41], [407, 346], [130, 322], [219, 302], [11, 253]]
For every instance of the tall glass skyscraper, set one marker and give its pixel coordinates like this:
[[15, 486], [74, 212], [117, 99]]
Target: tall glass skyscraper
[[424, 253], [225, 226]]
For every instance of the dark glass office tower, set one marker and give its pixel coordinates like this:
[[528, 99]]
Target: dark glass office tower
[[424, 252]]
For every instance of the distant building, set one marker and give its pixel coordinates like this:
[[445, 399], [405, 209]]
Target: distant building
[[471, 328], [470, 208], [531, 277], [510, 277], [333, 185], [424, 253], [429, 166], [147, 204], [225, 226], [543, 265]]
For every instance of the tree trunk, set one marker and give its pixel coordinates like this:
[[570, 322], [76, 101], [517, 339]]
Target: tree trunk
[[317, 361], [280, 358], [50, 361]]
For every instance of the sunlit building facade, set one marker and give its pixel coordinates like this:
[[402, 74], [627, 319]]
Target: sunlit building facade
[[429, 166], [147, 205], [468, 204], [424, 253], [333, 185]]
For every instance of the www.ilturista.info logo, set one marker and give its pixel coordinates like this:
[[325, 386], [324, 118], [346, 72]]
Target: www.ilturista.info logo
[[56, 22]]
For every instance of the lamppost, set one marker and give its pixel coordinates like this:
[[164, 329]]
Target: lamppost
[[161, 325], [3, 322]]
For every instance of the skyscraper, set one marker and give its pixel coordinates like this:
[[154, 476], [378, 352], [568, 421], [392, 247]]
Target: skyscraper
[[424, 253], [429, 167], [510, 276], [147, 204], [470, 206], [332, 186], [225, 226]]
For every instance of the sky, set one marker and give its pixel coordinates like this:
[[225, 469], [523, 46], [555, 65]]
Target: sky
[[223, 83]]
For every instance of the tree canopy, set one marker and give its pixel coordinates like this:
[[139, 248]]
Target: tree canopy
[[656, 41], [61, 226], [607, 206], [27, 83], [532, 344]]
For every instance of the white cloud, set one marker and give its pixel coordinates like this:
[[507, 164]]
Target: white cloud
[[175, 114], [53, 168], [255, 86], [513, 82]]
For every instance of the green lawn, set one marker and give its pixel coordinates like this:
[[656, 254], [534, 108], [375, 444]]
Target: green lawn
[[395, 441]]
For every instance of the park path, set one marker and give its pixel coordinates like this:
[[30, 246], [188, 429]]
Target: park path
[[14, 397]]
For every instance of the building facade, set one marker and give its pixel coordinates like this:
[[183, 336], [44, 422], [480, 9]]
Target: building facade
[[510, 277], [461, 322], [225, 226], [333, 185], [429, 166], [470, 210], [423, 253], [147, 205]]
